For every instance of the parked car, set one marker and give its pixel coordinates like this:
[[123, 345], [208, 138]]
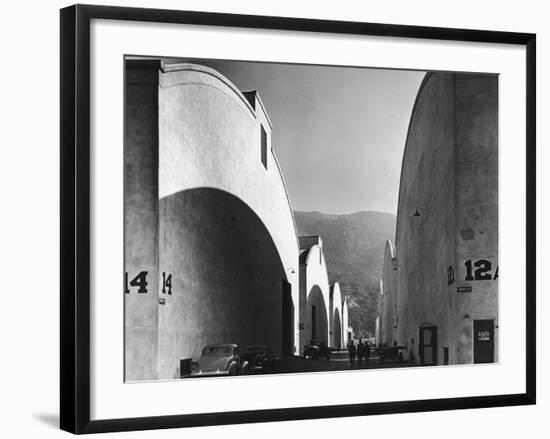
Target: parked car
[[259, 359], [394, 353], [316, 349], [218, 359]]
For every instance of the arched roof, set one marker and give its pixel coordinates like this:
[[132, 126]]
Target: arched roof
[[423, 84], [335, 297], [335, 288], [216, 77], [263, 189]]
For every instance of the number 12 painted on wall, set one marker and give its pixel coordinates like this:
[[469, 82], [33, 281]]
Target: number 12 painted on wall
[[480, 270]]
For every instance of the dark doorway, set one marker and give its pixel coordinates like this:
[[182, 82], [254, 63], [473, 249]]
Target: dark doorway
[[287, 347], [427, 345], [313, 322], [484, 341], [337, 331]]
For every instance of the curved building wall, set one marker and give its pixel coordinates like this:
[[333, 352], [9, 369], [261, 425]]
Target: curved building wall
[[315, 295], [477, 208], [425, 243], [210, 136], [227, 264], [447, 213]]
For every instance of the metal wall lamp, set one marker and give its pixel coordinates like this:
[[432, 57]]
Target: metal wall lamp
[[416, 211]]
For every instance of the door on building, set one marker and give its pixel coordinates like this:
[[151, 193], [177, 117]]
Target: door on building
[[427, 345], [484, 341]]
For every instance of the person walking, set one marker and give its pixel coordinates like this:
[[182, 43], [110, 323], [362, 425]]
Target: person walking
[[360, 353], [351, 352]]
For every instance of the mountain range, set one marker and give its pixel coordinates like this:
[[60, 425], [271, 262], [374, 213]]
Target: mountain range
[[353, 245]]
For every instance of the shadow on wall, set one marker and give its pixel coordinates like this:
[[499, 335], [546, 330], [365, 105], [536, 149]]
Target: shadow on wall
[[227, 279], [317, 312]]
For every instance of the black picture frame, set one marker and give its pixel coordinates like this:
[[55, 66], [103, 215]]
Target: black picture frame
[[75, 217]]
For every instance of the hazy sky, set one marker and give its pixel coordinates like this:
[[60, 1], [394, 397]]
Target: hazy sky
[[338, 132]]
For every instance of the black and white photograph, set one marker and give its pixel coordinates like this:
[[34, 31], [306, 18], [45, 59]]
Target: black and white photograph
[[300, 218]]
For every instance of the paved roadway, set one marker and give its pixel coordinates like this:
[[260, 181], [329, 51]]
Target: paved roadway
[[338, 361]]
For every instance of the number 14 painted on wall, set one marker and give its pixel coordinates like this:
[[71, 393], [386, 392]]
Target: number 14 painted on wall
[[166, 283], [140, 281]]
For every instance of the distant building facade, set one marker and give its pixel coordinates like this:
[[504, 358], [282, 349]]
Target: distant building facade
[[315, 311], [346, 328], [387, 301], [336, 328], [378, 336]]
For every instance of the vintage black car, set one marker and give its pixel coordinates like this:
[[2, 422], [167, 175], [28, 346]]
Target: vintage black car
[[218, 359], [390, 353], [258, 359], [316, 349]]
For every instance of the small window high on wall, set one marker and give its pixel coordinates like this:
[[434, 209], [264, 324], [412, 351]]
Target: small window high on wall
[[264, 147]]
